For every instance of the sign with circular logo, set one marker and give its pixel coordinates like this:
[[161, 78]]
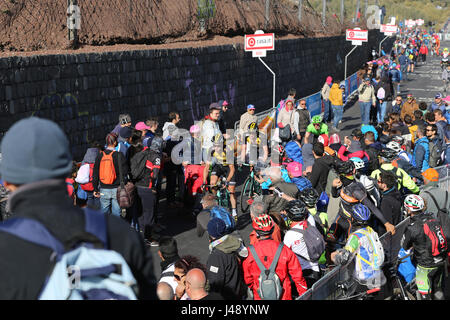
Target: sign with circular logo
[[251, 42]]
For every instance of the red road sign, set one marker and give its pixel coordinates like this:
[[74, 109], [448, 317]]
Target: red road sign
[[265, 41], [357, 35]]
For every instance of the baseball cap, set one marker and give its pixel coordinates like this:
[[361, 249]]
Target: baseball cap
[[141, 126], [295, 169], [125, 132], [214, 106], [251, 107], [431, 174], [438, 96], [225, 103]]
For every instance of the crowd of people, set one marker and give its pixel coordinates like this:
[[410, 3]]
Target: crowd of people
[[323, 200]]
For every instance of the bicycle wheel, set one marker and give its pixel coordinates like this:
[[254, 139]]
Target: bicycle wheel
[[246, 194]]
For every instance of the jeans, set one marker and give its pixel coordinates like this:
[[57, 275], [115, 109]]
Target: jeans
[[108, 202], [403, 69], [381, 111], [92, 202], [365, 111], [338, 111], [327, 112]]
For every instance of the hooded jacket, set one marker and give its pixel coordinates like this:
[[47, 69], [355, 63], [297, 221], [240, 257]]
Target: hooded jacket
[[409, 108], [25, 265], [224, 272], [336, 95], [421, 154]]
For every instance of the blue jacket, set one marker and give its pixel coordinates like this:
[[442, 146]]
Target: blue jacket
[[284, 175], [402, 60], [395, 75], [302, 183], [421, 154]]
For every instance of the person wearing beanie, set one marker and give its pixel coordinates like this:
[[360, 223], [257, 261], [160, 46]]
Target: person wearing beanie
[[222, 267], [34, 172], [124, 121], [436, 198], [106, 179], [124, 140]]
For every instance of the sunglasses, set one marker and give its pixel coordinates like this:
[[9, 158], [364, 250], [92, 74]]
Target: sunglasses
[[177, 277]]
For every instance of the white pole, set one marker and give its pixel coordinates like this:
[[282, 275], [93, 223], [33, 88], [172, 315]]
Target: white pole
[[345, 77], [273, 73], [379, 49]]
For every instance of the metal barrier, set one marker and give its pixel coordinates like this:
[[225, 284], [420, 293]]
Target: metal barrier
[[326, 288], [314, 101], [444, 177]]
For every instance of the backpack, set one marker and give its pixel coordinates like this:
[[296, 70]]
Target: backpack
[[107, 172], [315, 244], [442, 214], [270, 287], [87, 271], [224, 215], [378, 250], [137, 165], [294, 151], [435, 155], [435, 237], [89, 186]]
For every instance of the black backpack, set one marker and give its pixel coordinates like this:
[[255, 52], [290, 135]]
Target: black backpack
[[435, 236], [442, 215], [137, 165]]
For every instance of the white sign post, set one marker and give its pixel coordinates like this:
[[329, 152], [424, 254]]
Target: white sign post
[[258, 44], [357, 37], [388, 31]]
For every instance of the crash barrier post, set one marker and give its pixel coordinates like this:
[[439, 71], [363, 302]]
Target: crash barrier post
[[326, 288]]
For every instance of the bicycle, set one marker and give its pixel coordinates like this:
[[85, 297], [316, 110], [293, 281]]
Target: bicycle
[[403, 290], [222, 193], [250, 190], [348, 287]]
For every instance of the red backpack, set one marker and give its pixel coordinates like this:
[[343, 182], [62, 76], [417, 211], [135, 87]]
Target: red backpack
[[89, 186]]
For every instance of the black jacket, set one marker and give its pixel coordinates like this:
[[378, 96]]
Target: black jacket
[[149, 178], [224, 271], [25, 265], [319, 173], [373, 150], [390, 207]]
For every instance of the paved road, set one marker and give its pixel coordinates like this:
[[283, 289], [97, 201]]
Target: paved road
[[424, 84]]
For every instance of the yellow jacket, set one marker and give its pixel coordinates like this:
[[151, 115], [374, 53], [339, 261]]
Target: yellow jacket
[[336, 95]]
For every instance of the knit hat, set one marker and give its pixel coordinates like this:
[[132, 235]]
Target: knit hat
[[295, 169], [216, 228], [43, 154], [431, 174], [125, 132]]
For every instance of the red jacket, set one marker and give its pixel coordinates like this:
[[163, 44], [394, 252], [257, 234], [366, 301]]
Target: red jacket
[[358, 154], [423, 50], [288, 263]]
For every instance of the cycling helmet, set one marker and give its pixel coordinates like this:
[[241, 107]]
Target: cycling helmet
[[344, 167], [394, 146], [316, 119], [263, 224], [399, 139], [414, 202], [323, 138], [309, 196], [296, 210], [360, 213], [359, 163], [388, 154]]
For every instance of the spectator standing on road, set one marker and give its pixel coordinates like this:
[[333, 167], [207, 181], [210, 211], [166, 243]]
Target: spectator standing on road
[[168, 252], [421, 155], [106, 178], [124, 121], [222, 121], [34, 172], [151, 132], [423, 53], [195, 286], [85, 175], [210, 129], [223, 268], [302, 118], [321, 167], [337, 103], [366, 99], [123, 140], [404, 62], [286, 116], [409, 106], [265, 250], [391, 199], [436, 198], [325, 92], [246, 119]]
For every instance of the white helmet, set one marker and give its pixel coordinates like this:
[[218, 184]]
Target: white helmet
[[359, 163], [393, 145], [414, 202]]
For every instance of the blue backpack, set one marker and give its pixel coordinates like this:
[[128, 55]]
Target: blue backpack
[[83, 272], [224, 215], [294, 151]]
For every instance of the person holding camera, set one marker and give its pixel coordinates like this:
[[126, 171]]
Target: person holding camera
[[366, 99]]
